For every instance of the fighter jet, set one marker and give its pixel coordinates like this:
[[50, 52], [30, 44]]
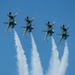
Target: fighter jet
[[49, 31], [64, 34], [11, 23], [29, 25]]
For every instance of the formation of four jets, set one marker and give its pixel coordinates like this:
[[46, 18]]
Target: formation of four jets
[[29, 27]]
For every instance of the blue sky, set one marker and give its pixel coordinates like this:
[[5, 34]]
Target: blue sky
[[43, 11]]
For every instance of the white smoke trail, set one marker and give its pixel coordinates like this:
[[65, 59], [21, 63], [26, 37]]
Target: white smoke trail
[[54, 61], [21, 58], [35, 60], [64, 61]]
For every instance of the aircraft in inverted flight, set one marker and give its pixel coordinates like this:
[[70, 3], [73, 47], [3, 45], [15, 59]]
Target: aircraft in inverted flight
[[29, 25], [64, 34], [49, 31], [11, 23]]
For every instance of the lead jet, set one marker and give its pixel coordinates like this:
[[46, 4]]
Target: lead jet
[[29, 25], [49, 31], [11, 23], [64, 34]]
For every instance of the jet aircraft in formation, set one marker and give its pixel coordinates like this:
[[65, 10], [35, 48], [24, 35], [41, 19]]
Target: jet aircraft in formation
[[64, 34], [29, 27], [49, 31], [11, 23]]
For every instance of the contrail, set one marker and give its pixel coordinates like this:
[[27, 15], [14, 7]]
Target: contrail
[[21, 58], [64, 61], [36, 68], [54, 62]]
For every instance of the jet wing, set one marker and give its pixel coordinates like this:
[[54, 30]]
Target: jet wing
[[60, 41], [6, 22], [44, 30], [45, 36], [23, 27], [7, 28], [59, 34], [24, 32]]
